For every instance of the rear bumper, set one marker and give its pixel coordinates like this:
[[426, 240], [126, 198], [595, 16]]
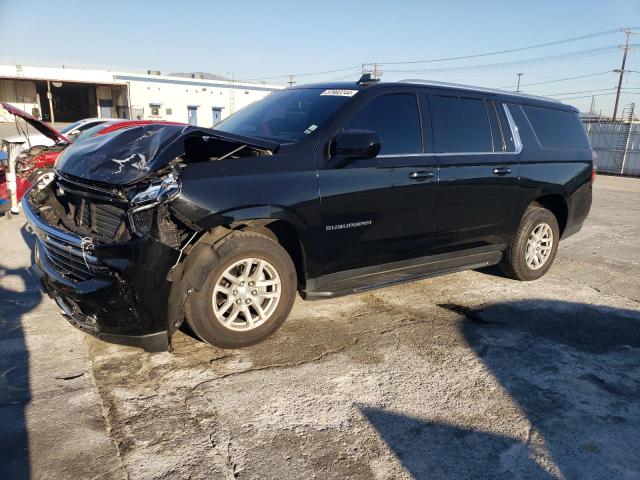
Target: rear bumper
[[579, 206], [123, 300]]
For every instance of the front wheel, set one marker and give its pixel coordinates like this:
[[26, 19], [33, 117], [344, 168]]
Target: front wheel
[[534, 245], [248, 293]]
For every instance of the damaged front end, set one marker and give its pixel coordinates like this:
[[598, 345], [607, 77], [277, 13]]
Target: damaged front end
[[107, 235]]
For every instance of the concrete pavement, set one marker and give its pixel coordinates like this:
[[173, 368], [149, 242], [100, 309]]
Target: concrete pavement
[[469, 375]]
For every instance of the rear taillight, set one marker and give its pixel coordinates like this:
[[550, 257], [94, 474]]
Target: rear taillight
[[594, 169]]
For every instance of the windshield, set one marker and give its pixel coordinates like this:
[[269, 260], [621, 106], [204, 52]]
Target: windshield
[[71, 128], [90, 132], [287, 115]]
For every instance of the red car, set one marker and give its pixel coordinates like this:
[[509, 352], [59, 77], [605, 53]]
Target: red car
[[29, 168]]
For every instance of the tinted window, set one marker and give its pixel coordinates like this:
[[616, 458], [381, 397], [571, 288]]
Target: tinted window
[[460, 125], [556, 129], [287, 115], [396, 120]]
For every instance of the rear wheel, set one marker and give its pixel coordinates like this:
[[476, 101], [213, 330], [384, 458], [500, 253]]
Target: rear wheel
[[534, 245], [247, 294]]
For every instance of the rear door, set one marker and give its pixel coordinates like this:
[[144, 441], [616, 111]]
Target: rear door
[[380, 210], [478, 172]]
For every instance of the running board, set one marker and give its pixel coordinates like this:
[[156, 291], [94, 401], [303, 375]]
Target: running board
[[380, 276]]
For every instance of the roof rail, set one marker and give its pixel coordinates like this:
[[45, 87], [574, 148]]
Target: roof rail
[[435, 83]]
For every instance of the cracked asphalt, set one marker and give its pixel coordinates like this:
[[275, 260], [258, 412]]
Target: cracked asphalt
[[469, 375]]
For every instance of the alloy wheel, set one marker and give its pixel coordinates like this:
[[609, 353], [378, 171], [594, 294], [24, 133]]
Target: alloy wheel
[[246, 294], [539, 245]]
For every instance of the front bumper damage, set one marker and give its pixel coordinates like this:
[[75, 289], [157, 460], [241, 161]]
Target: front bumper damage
[[108, 238], [117, 290]]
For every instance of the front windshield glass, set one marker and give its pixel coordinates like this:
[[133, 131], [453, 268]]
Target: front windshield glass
[[90, 132], [71, 128], [287, 116]]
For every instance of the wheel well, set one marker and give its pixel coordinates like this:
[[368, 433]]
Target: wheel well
[[557, 205], [285, 235]]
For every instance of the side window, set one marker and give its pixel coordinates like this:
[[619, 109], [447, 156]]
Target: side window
[[556, 128], [87, 126], [396, 119], [460, 125]]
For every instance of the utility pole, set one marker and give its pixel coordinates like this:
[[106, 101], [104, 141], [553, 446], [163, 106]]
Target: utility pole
[[52, 117], [291, 81], [625, 48], [518, 87], [593, 105]]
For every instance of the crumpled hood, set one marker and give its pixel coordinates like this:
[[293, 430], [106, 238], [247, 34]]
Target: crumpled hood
[[39, 125], [127, 156]]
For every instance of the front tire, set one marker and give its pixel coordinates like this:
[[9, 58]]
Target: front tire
[[248, 292], [534, 245]]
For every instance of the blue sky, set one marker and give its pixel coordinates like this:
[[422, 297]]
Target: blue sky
[[262, 39]]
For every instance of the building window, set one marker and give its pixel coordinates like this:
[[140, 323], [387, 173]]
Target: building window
[[155, 110], [168, 111]]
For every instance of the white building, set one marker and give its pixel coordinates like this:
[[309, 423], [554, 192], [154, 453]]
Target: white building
[[69, 94]]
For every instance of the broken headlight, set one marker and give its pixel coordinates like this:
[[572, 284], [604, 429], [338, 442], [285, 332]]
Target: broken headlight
[[155, 193], [140, 213]]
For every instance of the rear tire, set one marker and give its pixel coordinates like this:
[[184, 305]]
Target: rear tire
[[248, 292], [534, 246]]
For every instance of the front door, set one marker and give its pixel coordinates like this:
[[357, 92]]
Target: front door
[[380, 210], [478, 173], [192, 115], [217, 115], [106, 107]]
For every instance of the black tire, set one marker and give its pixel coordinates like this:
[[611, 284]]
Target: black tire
[[514, 262], [233, 248]]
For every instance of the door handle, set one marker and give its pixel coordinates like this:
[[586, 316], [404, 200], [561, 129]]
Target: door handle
[[421, 175], [501, 171]]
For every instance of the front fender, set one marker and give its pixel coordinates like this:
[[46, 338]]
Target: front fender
[[235, 215]]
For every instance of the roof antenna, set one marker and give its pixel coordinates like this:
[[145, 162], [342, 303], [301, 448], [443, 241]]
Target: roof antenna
[[367, 79]]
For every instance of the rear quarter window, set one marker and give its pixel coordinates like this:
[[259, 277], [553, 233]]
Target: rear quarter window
[[556, 129]]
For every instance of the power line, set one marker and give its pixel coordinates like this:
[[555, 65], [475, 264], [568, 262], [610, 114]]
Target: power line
[[512, 50], [286, 75], [597, 95], [576, 54], [561, 79], [582, 91], [462, 57]]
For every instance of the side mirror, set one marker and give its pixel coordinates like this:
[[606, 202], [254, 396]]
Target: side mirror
[[353, 144]]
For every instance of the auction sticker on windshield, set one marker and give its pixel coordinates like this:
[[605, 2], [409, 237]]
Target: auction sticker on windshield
[[340, 93]]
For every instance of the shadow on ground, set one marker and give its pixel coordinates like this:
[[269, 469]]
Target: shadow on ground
[[16, 300], [574, 372]]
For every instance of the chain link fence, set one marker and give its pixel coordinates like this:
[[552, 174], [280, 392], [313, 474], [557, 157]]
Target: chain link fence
[[617, 145]]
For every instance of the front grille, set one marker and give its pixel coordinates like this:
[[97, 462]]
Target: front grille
[[97, 212], [68, 259], [106, 220]]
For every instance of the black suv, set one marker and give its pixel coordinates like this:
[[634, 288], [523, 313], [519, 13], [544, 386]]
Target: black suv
[[324, 190]]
